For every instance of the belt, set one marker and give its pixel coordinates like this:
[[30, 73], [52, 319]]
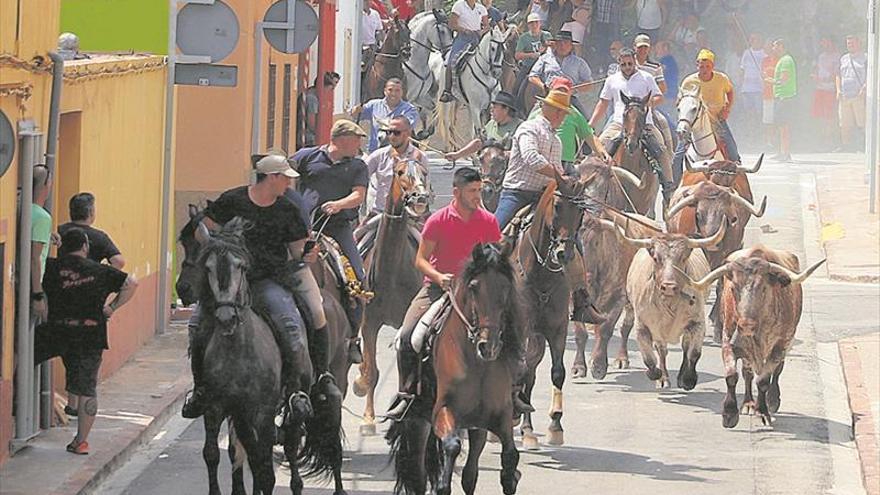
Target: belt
[[75, 322]]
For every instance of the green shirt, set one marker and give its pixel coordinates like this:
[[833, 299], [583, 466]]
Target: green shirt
[[496, 132], [529, 43], [41, 230], [788, 89], [574, 129]]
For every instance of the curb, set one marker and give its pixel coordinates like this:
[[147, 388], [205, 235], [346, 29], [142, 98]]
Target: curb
[[863, 424], [100, 467]]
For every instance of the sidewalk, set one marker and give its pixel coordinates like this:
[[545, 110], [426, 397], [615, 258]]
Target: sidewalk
[[861, 367], [850, 235], [133, 404]]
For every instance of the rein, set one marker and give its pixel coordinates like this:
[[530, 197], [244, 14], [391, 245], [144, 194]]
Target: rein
[[701, 110]]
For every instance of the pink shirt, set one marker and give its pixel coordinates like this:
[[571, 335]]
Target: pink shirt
[[455, 238]]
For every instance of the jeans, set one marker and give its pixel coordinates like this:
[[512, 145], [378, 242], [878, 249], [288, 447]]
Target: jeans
[[722, 132], [511, 201], [407, 359], [460, 44], [343, 234]]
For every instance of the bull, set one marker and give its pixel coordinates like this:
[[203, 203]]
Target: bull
[[761, 305], [698, 211], [667, 309], [722, 172]]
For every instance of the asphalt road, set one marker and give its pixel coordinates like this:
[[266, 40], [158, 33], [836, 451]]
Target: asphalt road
[[623, 436]]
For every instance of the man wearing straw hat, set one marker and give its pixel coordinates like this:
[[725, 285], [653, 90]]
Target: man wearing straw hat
[[535, 155]]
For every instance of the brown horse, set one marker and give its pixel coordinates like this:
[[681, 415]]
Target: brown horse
[[466, 382], [391, 273], [388, 61], [493, 165], [540, 254], [510, 67], [631, 156]]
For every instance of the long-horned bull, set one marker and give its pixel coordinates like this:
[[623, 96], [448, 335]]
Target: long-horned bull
[[699, 210], [667, 308], [722, 172], [761, 304]]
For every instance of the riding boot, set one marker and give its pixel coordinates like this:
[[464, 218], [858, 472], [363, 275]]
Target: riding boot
[[355, 356], [319, 343], [194, 405], [408, 374], [583, 309], [447, 95], [521, 403], [614, 145]]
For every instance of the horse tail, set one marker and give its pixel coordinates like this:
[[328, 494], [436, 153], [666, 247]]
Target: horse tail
[[240, 453], [405, 449], [321, 454]]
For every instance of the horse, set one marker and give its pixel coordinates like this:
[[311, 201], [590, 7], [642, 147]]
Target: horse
[[466, 382], [493, 160], [388, 61], [430, 38], [242, 369], [695, 128], [510, 66], [478, 82], [321, 451], [391, 273], [631, 156], [540, 254]]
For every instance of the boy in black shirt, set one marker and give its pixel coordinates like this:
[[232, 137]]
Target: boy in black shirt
[[77, 289], [82, 215]]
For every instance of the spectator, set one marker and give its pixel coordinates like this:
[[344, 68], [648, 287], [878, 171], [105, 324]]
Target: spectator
[[541, 8], [752, 88], [379, 110], [371, 23], [532, 43], [650, 16], [310, 106], [77, 289], [606, 25], [784, 92], [41, 239], [685, 34], [852, 83], [662, 50], [824, 97], [768, 67], [613, 51], [82, 216]]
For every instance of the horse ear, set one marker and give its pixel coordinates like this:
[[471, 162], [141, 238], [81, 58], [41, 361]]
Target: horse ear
[[192, 210], [202, 234], [625, 99], [477, 253], [507, 246], [646, 99]]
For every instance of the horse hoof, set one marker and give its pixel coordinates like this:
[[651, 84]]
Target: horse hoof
[[622, 363], [492, 438], [556, 437], [358, 386], [578, 371], [368, 430], [662, 383], [599, 368], [530, 442], [730, 420], [749, 408], [654, 374], [773, 400], [766, 419]]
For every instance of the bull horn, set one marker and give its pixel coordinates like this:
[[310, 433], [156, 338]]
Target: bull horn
[[624, 174], [710, 277], [795, 277], [690, 167], [684, 203], [754, 169], [710, 241], [639, 243], [202, 234], [757, 212]]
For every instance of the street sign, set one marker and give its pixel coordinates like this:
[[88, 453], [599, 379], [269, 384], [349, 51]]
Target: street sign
[[207, 30], [7, 143], [290, 26], [206, 75]]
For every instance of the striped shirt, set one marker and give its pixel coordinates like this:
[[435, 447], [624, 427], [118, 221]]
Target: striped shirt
[[535, 145], [652, 68]]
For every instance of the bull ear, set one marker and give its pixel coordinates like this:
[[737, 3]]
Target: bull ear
[[203, 236]]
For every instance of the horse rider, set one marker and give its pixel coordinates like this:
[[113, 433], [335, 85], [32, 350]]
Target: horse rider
[[574, 130], [371, 23], [336, 180], [276, 240], [469, 20], [642, 47], [377, 111], [448, 238], [530, 46], [535, 156], [499, 129], [380, 163], [634, 83], [560, 60], [717, 93]]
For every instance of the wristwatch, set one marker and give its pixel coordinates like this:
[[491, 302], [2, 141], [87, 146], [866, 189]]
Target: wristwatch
[[38, 296]]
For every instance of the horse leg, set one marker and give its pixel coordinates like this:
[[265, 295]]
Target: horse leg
[[365, 383], [622, 361], [211, 450], [510, 475], [445, 429], [536, 346], [476, 443], [292, 441], [236, 463], [557, 376], [256, 434], [579, 367], [646, 347]]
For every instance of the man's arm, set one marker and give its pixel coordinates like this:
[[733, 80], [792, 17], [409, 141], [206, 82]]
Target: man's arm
[[725, 110], [353, 200], [453, 22], [423, 264], [599, 112], [117, 261], [123, 296], [39, 308], [528, 146], [470, 149]]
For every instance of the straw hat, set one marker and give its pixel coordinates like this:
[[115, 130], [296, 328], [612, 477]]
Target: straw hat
[[558, 98]]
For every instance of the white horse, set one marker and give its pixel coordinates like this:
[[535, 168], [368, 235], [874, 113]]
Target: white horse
[[430, 38], [479, 80], [695, 128]]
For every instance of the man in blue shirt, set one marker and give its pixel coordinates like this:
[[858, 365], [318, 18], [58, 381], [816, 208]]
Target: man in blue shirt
[[380, 110]]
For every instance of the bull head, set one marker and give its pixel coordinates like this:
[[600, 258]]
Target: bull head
[[713, 204], [706, 167]]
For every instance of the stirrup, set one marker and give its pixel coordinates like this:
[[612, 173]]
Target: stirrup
[[354, 352], [401, 406]]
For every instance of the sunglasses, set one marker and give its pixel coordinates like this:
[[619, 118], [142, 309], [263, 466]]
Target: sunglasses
[[394, 132]]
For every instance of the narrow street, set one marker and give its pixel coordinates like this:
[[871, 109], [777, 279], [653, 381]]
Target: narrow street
[[621, 434]]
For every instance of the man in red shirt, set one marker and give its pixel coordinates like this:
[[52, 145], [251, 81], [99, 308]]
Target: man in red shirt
[[448, 237]]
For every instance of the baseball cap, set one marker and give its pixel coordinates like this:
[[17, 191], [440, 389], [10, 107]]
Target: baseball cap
[[345, 127], [533, 17], [275, 164], [706, 54], [642, 40]]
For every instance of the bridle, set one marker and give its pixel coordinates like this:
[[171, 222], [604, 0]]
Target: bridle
[[473, 330], [550, 261], [698, 114], [494, 64]]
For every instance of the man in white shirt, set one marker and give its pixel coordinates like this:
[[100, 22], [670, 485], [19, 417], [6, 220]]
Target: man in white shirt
[[381, 162], [371, 23], [752, 88], [632, 83], [469, 20], [852, 85]]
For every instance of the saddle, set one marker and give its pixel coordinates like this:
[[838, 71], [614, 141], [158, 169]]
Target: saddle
[[428, 327], [464, 57], [343, 271]]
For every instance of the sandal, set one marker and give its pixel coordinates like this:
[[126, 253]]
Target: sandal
[[81, 448]]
